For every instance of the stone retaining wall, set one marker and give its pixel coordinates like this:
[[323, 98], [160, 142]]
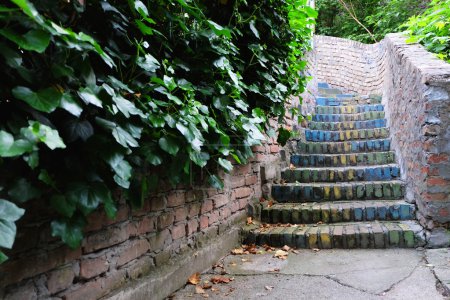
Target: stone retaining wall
[[416, 93], [175, 228]]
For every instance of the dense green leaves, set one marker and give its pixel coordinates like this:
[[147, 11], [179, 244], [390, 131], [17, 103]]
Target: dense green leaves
[[174, 85], [9, 213]]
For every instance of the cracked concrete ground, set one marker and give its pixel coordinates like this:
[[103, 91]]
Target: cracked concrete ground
[[327, 274]]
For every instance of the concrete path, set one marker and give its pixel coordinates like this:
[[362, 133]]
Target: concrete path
[[326, 274]]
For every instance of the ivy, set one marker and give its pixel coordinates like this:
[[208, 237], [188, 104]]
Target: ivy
[[95, 95]]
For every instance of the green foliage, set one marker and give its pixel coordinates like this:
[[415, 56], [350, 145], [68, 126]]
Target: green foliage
[[95, 96], [379, 16], [432, 29]]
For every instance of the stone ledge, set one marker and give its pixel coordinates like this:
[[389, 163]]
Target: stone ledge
[[172, 276]]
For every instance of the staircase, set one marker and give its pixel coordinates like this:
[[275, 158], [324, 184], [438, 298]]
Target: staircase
[[343, 187]]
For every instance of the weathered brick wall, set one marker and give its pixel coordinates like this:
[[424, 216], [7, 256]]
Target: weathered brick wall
[[416, 88], [114, 253], [417, 100], [349, 65]]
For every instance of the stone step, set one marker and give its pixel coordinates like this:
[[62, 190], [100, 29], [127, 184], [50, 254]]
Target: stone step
[[338, 211], [405, 234], [342, 174], [325, 191], [323, 85], [344, 147], [348, 125], [345, 135], [342, 160], [350, 109], [329, 91], [370, 115], [346, 99]]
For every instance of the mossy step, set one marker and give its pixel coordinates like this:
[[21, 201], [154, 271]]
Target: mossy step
[[342, 160], [350, 109], [338, 211], [325, 191], [398, 234], [344, 147], [345, 135], [370, 115], [347, 125], [341, 174]]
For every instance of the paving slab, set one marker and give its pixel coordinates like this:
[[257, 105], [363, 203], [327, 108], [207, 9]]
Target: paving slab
[[325, 274], [439, 261]]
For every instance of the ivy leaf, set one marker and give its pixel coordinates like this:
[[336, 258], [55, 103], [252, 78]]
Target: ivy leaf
[[215, 182], [169, 144], [63, 205], [141, 8], [89, 97], [70, 231], [34, 40], [69, 104], [122, 168], [3, 257], [79, 129], [199, 158], [219, 30], [283, 136], [46, 100], [9, 213], [6, 141], [148, 63], [22, 191], [226, 164], [126, 107], [47, 135], [253, 28]]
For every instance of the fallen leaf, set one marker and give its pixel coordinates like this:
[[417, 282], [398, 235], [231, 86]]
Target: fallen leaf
[[286, 248], [296, 251], [205, 295], [206, 285], [291, 166], [194, 278], [274, 270], [244, 260], [220, 279], [249, 220], [319, 223], [237, 251], [281, 254], [199, 290], [213, 289], [233, 264], [315, 249], [269, 287], [270, 204]]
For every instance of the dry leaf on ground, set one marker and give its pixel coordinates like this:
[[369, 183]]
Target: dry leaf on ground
[[220, 279], [206, 285], [315, 249], [281, 254], [237, 251], [286, 248], [199, 290], [249, 220], [270, 204], [269, 287], [194, 279]]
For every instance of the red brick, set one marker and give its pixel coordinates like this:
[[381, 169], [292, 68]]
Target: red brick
[[237, 181], [60, 279], [175, 199], [435, 196], [234, 206], [220, 200], [243, 192], [113, 281], [259, 148], [91, 267], [242, 169], [180, 214], [207, 206], [133, 250], [243, 203], [157, 203], [225, 213], [105, 238], [437, 158], [213, 217], [444, 212], [13, 271], [146, 224], [192, 226], [165, 220], [274, 149], [194, 210], [178, 231], [437, 181], [88, 290], [194, 195], [251, 180], [204, 222]]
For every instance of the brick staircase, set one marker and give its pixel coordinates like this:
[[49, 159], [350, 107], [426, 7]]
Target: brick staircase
[[343, 187]]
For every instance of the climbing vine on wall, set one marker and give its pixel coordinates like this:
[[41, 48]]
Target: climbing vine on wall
[[96, 93]]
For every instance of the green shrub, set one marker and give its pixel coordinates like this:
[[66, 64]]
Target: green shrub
[[432, 29], [121, 94]]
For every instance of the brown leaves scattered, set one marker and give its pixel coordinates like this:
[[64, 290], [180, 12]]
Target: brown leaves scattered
[[199, 290], [249, 220], [194, 279], [221, 279], [245, 249], [281, 254], [286, 248]]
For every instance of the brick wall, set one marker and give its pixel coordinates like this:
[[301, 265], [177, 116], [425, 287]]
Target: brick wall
[[135, 244], [416, 94], [415, 87]]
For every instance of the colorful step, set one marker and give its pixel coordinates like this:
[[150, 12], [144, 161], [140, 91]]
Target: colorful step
[[370, 115], [348, 125], [324, 191], [342, 174], [342, 160], [346, 99], [350, 109], [398, 234], [329, 91], [323, 85], [339, 211], [344, 147], [345, 135]]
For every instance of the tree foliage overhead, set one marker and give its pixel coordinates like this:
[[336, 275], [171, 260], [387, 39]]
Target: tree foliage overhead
[[95, 95]]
